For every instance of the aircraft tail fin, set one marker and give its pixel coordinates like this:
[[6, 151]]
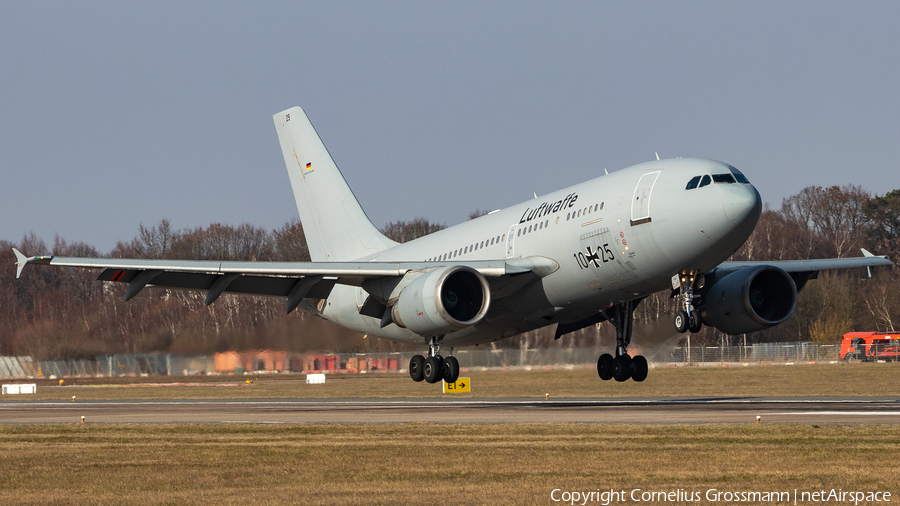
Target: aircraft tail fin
[[335, 225]]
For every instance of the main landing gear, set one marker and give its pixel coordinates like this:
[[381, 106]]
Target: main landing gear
[[434, 368], [688, 318], [622, 366]]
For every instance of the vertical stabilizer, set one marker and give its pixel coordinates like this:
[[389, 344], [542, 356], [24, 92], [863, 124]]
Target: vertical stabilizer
[[335, 225]]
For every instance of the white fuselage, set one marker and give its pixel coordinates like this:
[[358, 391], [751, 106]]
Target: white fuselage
[[618, 237]]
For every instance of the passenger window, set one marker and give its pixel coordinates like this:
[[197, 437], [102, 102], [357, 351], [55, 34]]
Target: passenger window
[[601, 206], [693, 183], [705, 181]]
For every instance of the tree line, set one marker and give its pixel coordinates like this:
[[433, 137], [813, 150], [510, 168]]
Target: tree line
[[52, 313]]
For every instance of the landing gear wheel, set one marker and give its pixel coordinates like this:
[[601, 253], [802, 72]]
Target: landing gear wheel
[[622, 368], [681, 321], [605, 367], [640, 368], [696, 323], [451, 370], [416, 368], [433, 369]]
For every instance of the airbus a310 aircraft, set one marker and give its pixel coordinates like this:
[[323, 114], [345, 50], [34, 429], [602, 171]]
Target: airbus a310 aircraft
[[572, 258]]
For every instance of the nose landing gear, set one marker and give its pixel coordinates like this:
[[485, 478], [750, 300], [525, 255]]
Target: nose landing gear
[[434, 368], [687, 318]]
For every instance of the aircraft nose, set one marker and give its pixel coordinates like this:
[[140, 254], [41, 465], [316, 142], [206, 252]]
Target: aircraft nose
[[742, 201]]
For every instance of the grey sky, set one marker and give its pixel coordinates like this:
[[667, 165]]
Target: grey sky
[[113, 114]]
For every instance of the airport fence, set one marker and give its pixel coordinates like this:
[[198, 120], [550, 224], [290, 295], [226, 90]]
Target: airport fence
[[267, 361], [799, 352]]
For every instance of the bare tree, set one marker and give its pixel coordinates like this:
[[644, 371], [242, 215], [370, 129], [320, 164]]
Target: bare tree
[[884, 224], [835, 213], [154, 242], [405, 231], [290, 242]]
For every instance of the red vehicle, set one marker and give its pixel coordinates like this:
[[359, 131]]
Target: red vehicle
[[866, 346]]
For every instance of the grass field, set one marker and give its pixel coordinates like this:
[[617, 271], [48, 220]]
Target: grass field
[[447, 463], [753, 381], [425, 463]]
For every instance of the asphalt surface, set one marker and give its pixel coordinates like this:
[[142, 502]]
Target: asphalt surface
[[814, 410]]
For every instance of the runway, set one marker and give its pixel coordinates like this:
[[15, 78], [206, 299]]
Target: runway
[[814, 410]]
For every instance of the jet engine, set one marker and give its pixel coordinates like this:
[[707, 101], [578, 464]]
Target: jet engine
[[750, 299], [443, 300]]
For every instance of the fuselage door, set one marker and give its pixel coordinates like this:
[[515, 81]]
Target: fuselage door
[[510, 241], [640, 203]]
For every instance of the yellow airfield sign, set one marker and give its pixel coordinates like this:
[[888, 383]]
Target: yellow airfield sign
[[461, 385]]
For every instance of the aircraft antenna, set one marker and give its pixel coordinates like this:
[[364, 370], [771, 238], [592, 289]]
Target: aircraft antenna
[[657, 155]]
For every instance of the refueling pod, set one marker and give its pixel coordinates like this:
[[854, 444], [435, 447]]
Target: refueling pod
[[444, 300], [750, 299]]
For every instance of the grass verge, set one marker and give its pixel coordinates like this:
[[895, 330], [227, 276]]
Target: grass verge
[[754, 381], [426, 463]]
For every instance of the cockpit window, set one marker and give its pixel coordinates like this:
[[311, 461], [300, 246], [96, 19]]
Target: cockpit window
[[705, 181], [737, 175], [693, 183], [723, 178]]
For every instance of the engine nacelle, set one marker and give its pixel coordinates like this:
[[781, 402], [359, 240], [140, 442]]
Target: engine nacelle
[[750, 299], [443, 300]]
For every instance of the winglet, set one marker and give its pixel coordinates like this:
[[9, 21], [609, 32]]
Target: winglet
[[21, 260], [867, 253]]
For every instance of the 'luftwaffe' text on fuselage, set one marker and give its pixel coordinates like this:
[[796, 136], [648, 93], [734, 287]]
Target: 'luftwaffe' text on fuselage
[[549, 207]]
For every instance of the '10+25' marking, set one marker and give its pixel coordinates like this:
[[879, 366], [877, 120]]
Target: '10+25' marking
[[594, 257]]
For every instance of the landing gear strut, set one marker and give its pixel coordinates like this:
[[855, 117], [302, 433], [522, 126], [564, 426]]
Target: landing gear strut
[[688, 318], [434, 368], [622, 367]]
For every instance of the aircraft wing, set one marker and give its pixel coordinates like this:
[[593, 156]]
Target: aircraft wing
[[811, 266], [294, 280]]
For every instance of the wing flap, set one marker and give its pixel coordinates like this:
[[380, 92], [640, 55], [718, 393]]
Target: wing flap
[[271, 286]]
